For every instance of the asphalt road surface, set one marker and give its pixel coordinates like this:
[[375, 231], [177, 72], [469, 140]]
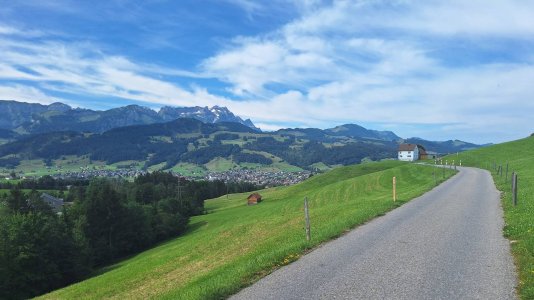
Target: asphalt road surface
[[446, 244]]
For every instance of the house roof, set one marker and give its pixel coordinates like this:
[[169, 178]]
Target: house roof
[[52, 201], [411, 147], [254, 195], [407, 147]]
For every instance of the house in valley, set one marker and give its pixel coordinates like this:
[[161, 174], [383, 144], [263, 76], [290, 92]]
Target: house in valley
[[411, 152], [55, 203]]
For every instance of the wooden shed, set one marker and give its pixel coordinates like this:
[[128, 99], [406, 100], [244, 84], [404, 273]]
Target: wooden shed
[[254, 198]]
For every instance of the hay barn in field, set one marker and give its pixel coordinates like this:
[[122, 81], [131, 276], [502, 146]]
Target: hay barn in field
[[254, 199]]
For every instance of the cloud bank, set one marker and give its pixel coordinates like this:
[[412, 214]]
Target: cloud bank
[[434, 69]]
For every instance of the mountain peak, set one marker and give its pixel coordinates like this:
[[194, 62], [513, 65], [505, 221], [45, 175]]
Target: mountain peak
[[214, 114], [58, 106]]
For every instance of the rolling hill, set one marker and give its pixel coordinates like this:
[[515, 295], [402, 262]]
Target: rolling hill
[[235, 244]]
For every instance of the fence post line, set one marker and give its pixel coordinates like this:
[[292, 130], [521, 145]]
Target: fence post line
[[307, 218]]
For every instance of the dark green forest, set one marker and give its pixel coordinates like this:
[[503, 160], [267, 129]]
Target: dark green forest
[[104, 221]]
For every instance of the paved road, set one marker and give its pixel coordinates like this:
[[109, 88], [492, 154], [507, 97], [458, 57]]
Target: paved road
[[446, 244]]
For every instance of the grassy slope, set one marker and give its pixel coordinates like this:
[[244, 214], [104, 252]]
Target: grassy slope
[[520, 219], [235, 244]]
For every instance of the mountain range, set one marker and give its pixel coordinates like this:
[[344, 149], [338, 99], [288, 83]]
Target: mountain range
[[176, 138], [30, 118]]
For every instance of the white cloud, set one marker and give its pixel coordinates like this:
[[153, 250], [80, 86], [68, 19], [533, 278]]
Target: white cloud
[[8, 30], [24, 94], [382, 61], [71, 68], [476, 17]]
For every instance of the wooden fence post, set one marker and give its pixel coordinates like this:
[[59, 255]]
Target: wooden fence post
[[506, 178], [394, 189], [307, 218], [514, 188]]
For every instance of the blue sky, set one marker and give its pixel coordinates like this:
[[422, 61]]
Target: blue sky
[[432, 69]]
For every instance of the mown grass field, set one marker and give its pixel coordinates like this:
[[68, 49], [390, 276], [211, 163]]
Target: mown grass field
[[234, 244], [519, 228]]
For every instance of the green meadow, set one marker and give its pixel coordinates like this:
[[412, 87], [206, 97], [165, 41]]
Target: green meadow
[[233, 245], [519, 228]]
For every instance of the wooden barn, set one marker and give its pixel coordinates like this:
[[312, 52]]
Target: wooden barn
[[254, 199]]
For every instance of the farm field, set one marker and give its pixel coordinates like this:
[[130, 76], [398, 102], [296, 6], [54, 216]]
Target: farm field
[[234, 244], [519, 228], [37, 168]]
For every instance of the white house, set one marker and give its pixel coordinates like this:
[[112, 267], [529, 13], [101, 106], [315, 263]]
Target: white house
[[410, 152]]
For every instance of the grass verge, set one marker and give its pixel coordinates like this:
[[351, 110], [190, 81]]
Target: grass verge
[[235, 244]]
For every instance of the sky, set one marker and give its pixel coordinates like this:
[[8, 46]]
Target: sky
[[438, 70]]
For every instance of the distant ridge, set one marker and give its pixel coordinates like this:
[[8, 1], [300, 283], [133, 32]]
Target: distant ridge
[[24, 118], [450, 146], [353, 130]]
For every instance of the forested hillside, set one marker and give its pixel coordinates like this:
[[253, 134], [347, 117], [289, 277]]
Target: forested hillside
[[167, 146], [191, 141], [104, 220]]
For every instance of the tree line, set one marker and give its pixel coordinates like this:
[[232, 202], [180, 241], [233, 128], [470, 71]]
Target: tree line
[[105, 220], [46, 182]]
